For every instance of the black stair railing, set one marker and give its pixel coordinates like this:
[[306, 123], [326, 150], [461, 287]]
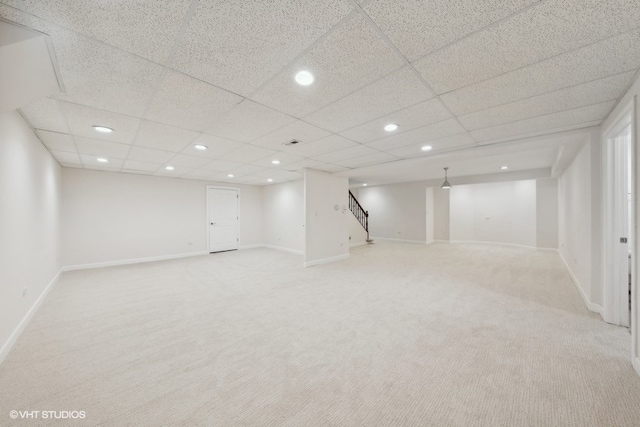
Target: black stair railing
[[361, 215]]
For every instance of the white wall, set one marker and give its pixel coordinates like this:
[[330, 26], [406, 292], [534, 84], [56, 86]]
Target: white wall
[[109, 217], [441, 214], [547, 213], [29, 225], [430, 215], [631, 98], [396, 211], [357, 233], [574, 219], [503, 212], [283, 216], [327, 228]]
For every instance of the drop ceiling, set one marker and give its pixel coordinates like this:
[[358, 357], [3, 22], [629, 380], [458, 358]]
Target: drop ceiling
[[455, 75]]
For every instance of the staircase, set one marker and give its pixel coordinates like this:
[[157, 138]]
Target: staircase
[[361, 215]]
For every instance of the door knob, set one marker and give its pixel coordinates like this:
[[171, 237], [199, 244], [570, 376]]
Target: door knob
[[213, 223]]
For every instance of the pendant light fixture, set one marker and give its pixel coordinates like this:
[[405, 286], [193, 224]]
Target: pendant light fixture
[[445, 184]]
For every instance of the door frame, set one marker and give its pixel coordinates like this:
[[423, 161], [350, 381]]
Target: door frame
[[613, 290], [206, 220]]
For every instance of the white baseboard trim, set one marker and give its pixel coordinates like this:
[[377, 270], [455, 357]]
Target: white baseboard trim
[[431, 242], [353, 245], [386, 239], [131, 261], [326, 260], [258, 245], [283, 249], [596, 308], [8, 345], [636, 364], [479, 242], [441, 241]]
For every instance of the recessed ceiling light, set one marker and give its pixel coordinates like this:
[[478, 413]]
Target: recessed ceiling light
[[230, 175], [102, 129], [169, 168], [426, 148], [304, 78], [200, 147], [391, 127], [364, 185], [275, 162], [504, 168], [102, 160], [270, 180]]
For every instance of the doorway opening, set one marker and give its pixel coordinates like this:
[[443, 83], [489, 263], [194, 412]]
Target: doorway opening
[[619, 223], [223, 219]]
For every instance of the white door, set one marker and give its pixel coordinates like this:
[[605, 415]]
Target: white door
[[622, 236], [223, 218]]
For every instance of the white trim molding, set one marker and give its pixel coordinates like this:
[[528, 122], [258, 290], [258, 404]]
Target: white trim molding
[[415, 242], [636, 364], [593, 307], [326, 260], [8, 345], [354, 245], [131, 261], [283, 249]]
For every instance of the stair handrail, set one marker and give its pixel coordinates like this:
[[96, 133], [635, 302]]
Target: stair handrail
[[358, 211]]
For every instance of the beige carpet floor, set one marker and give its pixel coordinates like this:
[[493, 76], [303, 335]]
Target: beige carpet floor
[[396, 335]]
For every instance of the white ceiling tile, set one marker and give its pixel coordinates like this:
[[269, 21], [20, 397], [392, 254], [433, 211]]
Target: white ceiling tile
[[147, 29], [163, 137], [65, 158], [45, 114], [189, 161], [606, 89], [248, 154], [198, 173], [371, 159], [81, 119], [418, 136], [285, 159], [135, 165], [541, 32], [136, 172], [175, 173], [216, 146], [248, 121], [252, 41], [349, 153], [99, 75], [57, 141], [143, 154], [90, 162], [425, 113], [279, 175], [322, 146], [351, 57], [330, 168], [612, 56], [247, 170], [550, 121], [299, 166], [298, 130], [391, 93], [441, 144], [189, 103], [417, 27], [221, 166], [97, 148]]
